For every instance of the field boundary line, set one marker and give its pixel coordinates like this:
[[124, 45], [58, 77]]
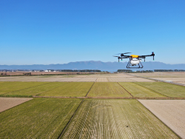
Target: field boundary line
[[90, 89], [125, 89], [63, 131], [158, 118], [151, 90]]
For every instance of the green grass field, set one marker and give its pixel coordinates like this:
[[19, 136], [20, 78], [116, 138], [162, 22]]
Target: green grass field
[[35, 90], [115, 119], [139, 91], [8, 87], [70, 89], [166, 89], [38, 118], [107, 89]]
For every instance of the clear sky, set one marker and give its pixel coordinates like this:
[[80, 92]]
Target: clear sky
[[62, 31]]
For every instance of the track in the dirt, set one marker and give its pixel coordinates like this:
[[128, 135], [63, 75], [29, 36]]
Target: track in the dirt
[[70, 120], [90, 89]]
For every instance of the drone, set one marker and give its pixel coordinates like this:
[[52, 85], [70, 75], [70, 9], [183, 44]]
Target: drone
[[134, 60]]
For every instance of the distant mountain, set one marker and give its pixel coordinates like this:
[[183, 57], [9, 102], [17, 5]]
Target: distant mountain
[[103, 66]]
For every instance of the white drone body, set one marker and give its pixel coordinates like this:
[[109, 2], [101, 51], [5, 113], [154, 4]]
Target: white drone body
[[134, 62]]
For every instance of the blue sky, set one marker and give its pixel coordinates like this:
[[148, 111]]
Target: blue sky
[[62, 31]]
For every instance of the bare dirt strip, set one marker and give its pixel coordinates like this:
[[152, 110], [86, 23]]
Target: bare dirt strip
[[7, 103], [171, 112]]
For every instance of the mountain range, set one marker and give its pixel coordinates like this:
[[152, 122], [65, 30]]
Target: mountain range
[[94, 65]]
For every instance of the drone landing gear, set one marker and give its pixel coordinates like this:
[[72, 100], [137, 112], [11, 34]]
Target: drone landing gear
[[129, 65]]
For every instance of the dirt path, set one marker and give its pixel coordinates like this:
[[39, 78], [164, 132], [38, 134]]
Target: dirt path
[[7, 103], [171, 112]]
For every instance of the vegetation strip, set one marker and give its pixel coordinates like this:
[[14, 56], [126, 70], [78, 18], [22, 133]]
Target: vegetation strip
[[170, 90], [125, 90], [108, 89], [70, 120], [160, 98], [152, 90], [90, 89]]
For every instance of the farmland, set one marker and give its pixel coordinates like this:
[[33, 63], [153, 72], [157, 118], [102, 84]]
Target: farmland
[[74, 89], [38, 118], [139, 91], [166, 89], [106, 89], [88, 106], [116, 119], [28, 89], [6, 87]]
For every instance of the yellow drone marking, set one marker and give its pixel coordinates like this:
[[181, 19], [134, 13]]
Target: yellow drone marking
[[134, 56]]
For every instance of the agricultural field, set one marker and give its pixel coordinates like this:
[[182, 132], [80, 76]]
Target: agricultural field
[[37, 118], [7, 103], [139, 91], [107, 89], [35, 90], [107, 109], [115, 119], [171, 112], [29, 89], [7, 87], [71, 89], [166, 89]]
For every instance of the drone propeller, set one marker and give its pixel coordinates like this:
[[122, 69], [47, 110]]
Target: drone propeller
[[123, 53]]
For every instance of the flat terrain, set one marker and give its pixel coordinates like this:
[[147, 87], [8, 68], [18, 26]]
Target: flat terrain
[[176, 77], [71, 89], [6, 87], [91, 106], [7, 103], [171, 112], [37, 118], [169, 90], [121, 77], [107, 89], [139, 91], [115, 119], [29, 89]]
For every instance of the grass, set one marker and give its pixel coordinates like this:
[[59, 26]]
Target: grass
[[36, 90], [115, 119], [7, 87], [139, 91], [167, 89], [107, 89], [38, 118], [69, 89]]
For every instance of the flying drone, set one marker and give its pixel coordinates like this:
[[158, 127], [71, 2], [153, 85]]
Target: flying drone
[[134, 60]]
